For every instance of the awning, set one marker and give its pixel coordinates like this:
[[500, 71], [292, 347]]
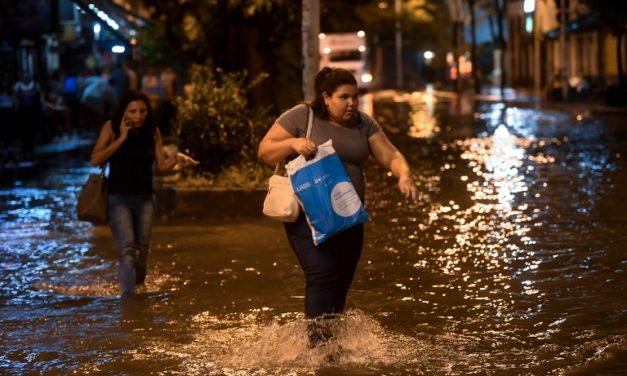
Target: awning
[[118, 21], [583, 24]]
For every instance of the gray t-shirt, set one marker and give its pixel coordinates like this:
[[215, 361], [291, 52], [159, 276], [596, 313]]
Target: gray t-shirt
[[350, 143]]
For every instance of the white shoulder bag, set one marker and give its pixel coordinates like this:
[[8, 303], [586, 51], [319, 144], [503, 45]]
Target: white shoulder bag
[[281, 202]]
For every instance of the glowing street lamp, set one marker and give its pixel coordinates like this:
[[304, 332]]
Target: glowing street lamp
[[118, 49], [428, 55], [529, 6], [532, 26], [97, 29]]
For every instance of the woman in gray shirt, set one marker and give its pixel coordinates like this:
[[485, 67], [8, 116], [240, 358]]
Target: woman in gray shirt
[[329, 268]]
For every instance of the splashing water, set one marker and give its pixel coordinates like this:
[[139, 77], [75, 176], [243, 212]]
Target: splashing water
[[246, 344]]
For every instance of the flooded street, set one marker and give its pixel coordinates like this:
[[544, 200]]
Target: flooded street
[[511, 262]]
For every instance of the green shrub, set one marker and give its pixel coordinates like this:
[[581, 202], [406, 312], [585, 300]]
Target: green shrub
[[216, 124], [247, 176]]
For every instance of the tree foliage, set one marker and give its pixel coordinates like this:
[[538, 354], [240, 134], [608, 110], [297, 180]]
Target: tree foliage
[[264, 36], [215, 122], [237, 35], [424, 23]]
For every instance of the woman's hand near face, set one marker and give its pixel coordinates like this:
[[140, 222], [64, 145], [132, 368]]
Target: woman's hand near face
[[125, 126]]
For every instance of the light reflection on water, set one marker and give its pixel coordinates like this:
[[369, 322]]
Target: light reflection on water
[[500, 239], [510, 262]]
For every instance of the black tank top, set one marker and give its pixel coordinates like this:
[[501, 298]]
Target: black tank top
[[130, 167]]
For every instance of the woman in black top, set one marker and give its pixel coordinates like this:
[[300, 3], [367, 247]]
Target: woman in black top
[[130, 142]]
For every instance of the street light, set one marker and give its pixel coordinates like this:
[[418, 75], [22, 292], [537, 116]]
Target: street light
[[428, 55], [399, 44], [532, 26], [97, 28], [529, 6]]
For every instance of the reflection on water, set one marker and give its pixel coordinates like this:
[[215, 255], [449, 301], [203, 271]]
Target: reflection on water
[[511, 262], [502, 233]]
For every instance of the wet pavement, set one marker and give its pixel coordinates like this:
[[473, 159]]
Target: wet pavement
[[511, 262]]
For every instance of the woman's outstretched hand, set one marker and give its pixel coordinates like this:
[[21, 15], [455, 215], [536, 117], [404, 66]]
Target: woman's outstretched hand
[[407, 187], [186, 160]]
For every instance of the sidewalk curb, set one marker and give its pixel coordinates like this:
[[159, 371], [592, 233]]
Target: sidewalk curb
[[172, 202]]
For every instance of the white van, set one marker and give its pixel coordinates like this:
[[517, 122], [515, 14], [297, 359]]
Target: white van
[[348, 51]]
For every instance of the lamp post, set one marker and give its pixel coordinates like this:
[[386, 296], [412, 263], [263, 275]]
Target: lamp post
[[537, 34], [399, 44], [531, 9], [311, 57], [563, 20]]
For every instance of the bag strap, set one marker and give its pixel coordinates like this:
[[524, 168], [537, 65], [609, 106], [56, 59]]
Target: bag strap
[[308, 134], [309, 121], [103, 168]]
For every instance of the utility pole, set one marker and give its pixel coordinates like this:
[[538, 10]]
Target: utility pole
[[310, 27], [563, 20], [399, 44], [457, 14], [537, 32]]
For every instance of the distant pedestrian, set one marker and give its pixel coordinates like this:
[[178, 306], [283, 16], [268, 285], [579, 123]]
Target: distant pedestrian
[[169, 82], [57, 112], [6, 114], [70, 93], [132, 76], [330, 266], [119, 81], [97, 101], [151, 84], [130, 142], [28, 100], [81, 81]]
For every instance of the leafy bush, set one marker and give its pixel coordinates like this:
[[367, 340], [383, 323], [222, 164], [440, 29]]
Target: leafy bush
[[247, 176], [215, 123]]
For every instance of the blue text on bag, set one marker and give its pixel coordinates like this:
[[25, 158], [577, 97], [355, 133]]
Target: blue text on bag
[[326, 193]]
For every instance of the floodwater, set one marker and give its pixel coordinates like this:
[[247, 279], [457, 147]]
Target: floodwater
[[511, 262]]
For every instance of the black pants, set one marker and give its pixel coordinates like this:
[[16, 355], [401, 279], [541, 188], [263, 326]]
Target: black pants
[[28, 124], [329, 268]]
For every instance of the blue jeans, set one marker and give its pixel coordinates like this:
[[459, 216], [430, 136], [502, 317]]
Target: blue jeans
[[130, 219], [329, 268]]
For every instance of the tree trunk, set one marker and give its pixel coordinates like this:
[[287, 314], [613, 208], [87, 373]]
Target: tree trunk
[[619, 59], [457, 35], [256, 63], [220, 58], [491, 25], [473, 57], [310, 27], [500, 18]]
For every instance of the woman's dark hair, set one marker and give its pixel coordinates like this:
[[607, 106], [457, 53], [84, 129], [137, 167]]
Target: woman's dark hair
[[327, 81], [118, 113]]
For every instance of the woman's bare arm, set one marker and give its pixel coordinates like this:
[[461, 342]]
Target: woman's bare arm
[[165, 162], [106, 145], [278, 143], [389, 157]]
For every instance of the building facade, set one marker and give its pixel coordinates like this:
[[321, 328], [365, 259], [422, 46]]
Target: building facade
[[586, 54]]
